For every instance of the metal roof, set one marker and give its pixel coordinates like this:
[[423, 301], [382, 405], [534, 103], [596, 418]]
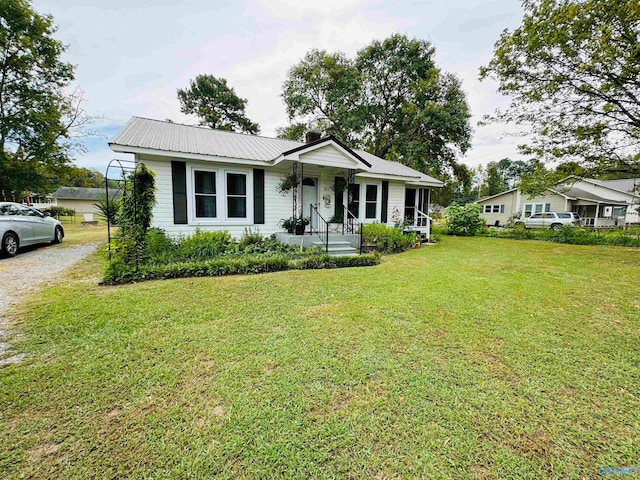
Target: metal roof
[[625, 185], [581, 194], [174, 137]]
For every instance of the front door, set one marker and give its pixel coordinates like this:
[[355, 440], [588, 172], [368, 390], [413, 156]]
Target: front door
[[309, 195]]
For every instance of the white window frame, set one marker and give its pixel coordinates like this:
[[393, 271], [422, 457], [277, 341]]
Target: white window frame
[[542, 205], [363, 202], [222, 217], [493, 208]]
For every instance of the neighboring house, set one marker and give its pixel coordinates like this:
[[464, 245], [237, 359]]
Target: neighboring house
[[81, 199], [600, 203], [219, 180]]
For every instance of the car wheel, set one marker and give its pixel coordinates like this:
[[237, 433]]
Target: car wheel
[[58, 235], [555, 226], [9, 245]]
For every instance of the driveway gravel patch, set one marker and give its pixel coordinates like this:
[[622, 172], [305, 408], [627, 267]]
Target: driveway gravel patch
[[26, 272]]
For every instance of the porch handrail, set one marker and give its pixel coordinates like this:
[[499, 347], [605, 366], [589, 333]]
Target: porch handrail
[[350, 222], [315, 222], [424, 220]]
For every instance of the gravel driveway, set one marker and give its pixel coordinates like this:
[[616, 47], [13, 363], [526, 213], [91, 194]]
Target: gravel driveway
[[27, 271]]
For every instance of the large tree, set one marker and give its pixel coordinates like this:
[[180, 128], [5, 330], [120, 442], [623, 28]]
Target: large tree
[[216, 105], [572, 71], [390, 100], [37, 116]]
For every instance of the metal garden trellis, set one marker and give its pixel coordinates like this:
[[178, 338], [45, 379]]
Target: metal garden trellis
[[126, 169]]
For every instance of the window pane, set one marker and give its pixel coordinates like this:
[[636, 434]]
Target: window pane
[[547, 207], [236, 184], [205, 206], [237, 207], [496, 209], [538, 207], [371, 210], [372, 193], [354, 206], [205, 182]]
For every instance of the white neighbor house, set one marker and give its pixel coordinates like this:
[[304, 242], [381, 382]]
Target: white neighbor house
[[600, 203], [219, 180]]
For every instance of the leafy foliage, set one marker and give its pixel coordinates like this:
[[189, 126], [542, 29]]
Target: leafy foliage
[[58, 211], [38, 119], [216, 105], [108, 211], [570, 235], [134, 217], [464, 220], [571, 70], [295, 131], [215, 254], [387, 239], [391, 100]]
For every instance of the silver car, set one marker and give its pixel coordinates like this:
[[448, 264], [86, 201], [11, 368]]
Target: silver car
[[552, 220], [21, 226]]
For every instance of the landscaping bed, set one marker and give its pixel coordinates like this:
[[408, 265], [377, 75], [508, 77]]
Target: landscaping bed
[[215, 254]]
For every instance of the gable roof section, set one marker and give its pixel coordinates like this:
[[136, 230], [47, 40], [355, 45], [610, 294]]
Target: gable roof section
[[580, 194], [143, 135], [330, 140], [624, 185], [484, 199]]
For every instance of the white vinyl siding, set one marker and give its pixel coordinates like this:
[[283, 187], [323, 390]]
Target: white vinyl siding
[[327, 156]]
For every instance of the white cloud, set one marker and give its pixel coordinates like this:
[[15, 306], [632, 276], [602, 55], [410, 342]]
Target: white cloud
[[131, 57]]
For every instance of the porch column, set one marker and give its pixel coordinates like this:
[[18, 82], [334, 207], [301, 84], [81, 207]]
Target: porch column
[[428, 215], [351, 180], [595, 220], [295, 191]]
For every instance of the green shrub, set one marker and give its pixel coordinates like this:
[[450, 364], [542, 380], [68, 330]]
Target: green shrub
[[464, 220], [570, 235], [58, 211], [119, 272], [249, 238], [387, 239], [204, 245]]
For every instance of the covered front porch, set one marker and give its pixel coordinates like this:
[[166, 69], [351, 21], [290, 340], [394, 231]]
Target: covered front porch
[[334, 191], [600, 214]]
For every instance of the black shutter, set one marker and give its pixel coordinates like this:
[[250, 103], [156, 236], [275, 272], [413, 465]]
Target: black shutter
[[258, 196], [338, 184], [179, 183], [385, 201]]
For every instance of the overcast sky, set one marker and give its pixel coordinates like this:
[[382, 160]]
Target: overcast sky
[[132, 55]]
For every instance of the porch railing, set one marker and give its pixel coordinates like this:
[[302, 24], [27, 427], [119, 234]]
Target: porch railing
[[424, 220], [351, 225], [319, 226]]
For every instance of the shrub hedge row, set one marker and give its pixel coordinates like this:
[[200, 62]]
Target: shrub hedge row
[[119, 273], [570, 235]]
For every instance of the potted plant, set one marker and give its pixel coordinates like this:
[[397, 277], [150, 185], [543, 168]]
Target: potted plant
[[293, 224], [287, 183]]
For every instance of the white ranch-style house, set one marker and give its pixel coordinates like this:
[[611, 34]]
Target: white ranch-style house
[[600, 203], [219, 180]]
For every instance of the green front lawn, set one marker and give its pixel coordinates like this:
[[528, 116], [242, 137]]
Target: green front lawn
[[473, 358]]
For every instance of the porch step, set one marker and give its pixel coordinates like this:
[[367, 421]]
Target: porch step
[[338, 248]]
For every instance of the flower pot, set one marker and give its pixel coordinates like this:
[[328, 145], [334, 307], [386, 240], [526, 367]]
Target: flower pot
[[300, 229]]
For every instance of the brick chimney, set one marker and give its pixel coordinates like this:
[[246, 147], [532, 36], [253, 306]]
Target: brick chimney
[[312, 135]]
